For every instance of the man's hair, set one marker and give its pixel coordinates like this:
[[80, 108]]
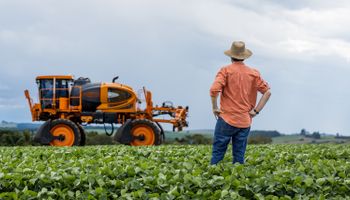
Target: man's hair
[[236, 60]]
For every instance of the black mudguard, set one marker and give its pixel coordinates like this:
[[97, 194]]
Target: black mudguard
[[123, 137], [43, 135], [161, 131]]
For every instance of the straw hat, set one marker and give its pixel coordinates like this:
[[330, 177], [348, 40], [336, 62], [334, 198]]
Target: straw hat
[[238, 51]]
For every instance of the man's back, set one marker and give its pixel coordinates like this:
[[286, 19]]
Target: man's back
[[238, 85]]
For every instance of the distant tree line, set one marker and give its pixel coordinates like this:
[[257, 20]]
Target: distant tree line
[[265, 133], [338, 136], [262, 137], [255, 137], [315, 135], [192, 139], [259, 139], [15, 138]]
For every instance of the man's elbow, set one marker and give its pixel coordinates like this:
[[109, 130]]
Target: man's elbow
[[213, 93]]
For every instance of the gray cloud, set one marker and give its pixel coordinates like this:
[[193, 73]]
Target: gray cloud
[[175, 49]]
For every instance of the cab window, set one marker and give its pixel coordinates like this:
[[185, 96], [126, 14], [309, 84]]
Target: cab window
[[116, 95], [46, 88]]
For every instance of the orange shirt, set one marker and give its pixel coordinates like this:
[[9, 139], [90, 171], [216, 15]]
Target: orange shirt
[[238, 85]]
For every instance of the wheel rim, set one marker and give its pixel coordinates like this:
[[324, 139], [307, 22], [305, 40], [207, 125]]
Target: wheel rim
[[65, 132], [144, 135]]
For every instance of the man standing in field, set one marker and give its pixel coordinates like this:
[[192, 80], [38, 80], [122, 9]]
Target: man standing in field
[[238, 86]]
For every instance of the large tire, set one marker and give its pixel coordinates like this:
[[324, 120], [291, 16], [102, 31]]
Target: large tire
[[144, 132], [82, 135], [67, 130]]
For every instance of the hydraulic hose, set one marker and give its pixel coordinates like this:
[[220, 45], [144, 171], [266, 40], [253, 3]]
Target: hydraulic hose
[[111, 133]]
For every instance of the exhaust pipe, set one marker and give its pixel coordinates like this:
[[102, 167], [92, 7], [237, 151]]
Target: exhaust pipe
[[114, 79]]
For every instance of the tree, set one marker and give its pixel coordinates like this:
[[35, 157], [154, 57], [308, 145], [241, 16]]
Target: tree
[[316, 135], [259, 139]]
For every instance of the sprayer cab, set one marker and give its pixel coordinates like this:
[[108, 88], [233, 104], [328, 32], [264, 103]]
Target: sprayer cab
[[54, 91]]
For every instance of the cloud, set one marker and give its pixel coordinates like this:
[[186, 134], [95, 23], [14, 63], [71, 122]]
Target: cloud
[[279, 30], [11, 107], [10, 104], [4, 87], [174, 48]]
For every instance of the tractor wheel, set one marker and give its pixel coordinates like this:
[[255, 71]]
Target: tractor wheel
[[66, 132], [144, 132], [82, 135]]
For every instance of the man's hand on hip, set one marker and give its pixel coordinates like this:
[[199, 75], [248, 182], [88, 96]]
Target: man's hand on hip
[[252, 113], [216, 112]]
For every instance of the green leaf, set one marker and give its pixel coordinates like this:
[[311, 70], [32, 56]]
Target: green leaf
[[308, 181]]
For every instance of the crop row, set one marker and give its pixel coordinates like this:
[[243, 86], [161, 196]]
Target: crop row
[[174, 172]]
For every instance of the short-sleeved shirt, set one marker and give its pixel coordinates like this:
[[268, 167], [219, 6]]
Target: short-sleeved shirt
[[238, 85]]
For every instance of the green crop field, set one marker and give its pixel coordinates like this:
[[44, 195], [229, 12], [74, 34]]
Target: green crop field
[[174, 172]]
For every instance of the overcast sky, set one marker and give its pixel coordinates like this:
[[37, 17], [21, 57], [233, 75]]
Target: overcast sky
[[175, 48]]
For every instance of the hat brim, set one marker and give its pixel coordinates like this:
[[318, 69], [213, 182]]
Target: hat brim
[[246, 54]]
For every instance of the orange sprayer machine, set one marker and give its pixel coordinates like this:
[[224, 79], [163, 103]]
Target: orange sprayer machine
[[65, 104]]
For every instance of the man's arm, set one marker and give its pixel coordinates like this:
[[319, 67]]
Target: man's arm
[[216, 88], [262, 102], [214, 103]]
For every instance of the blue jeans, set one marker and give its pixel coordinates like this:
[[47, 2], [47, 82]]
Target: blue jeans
[[223, 134]]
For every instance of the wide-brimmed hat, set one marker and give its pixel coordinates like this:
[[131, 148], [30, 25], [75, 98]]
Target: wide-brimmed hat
[[238, 51]]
